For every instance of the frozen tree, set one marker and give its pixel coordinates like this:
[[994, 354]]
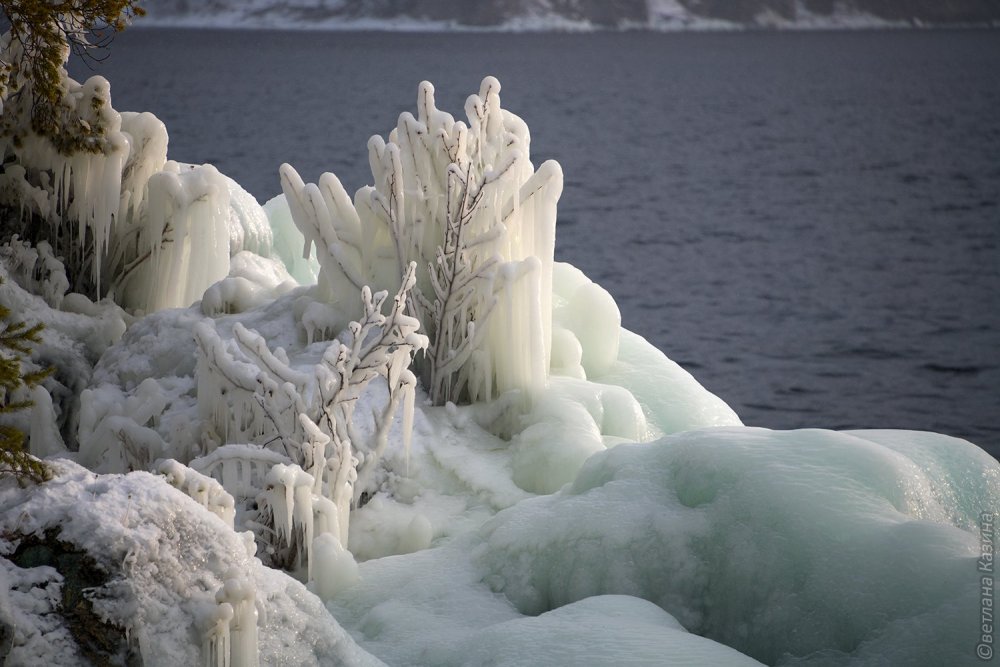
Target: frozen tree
[[62, 138], [94, 183], [465, 203], [378, 345]]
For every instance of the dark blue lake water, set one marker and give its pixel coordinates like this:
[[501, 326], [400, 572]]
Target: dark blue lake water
[[808, 222]]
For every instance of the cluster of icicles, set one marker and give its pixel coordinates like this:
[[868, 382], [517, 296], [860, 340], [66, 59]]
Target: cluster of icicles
[[149, 232]]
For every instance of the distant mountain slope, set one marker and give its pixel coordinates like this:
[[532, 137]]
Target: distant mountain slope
[[570, 14]]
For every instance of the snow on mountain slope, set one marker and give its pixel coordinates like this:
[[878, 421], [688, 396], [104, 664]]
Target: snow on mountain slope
[[540, 15]]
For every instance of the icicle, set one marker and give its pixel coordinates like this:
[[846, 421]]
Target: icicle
[[215, 642], [289, 495], [240, 596], [316, 442], [44, 438], [409, 398], [342, 474]]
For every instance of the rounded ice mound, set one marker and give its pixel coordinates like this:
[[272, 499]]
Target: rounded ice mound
[[791, 547], [672, 398], [597, 631], [569, 422]]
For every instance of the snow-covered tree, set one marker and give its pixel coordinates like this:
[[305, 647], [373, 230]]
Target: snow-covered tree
[[95, 183], [62, 145]]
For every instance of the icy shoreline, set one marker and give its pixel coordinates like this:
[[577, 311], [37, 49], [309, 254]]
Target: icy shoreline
[[521, 27]]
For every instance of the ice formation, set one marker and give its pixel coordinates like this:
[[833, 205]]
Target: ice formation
[[248, 393], [83, 187], [287, 242], [466, 204], [240, 469], [586, 322], [190, 207], [618, 512], [115, 433], [289, 502], [35, 267], [44, 438], [240, 594], [232, 636], [783, 545], [252, 281], [334, 568]]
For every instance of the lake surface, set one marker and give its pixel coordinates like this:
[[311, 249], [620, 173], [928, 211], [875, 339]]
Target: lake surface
[[808, 222]]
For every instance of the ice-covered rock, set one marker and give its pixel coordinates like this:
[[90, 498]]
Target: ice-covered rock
[[166, 556]]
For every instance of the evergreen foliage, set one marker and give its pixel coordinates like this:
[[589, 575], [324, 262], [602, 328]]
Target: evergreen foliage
[[16, 338], [32, 78]]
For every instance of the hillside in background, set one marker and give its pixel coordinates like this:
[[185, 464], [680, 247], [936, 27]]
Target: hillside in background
[[572, 14]]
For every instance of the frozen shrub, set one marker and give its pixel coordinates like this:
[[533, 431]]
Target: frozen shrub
[[464, 202], [249, 393]]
